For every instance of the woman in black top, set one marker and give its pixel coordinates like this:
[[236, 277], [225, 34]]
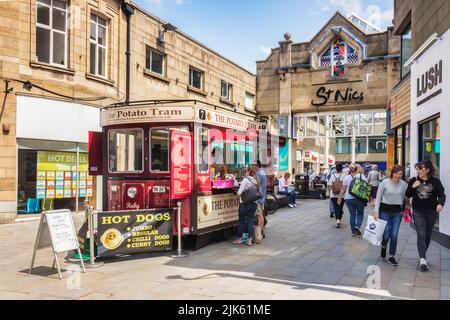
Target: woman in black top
[[428, 196]]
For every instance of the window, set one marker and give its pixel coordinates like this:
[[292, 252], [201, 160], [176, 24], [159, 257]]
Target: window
[[154, 61], [378, 145], [195, 78], [338, 55], [343, 145], [51, 31], [361, 145], [125, 150], [406, 51], [98, 46], [159, 146], [249, 101], [430, 142], [226, 91], [204, 151]]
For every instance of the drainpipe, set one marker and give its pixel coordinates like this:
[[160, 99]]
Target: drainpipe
[[129, 11]]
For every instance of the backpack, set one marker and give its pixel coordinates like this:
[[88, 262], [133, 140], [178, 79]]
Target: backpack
[[360, 189], [336, 186]]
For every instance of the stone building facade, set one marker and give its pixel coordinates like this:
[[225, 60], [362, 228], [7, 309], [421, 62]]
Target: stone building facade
[[61, 60], [338, 86]]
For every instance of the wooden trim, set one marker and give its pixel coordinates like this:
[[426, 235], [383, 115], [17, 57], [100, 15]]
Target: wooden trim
[[156, 76], [53, 68], [100, 79]]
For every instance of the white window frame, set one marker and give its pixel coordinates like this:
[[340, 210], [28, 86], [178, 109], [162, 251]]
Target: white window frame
[[332, 56], [252, 107], [229, 89], [97, 45], [151, 50], [191, 77], [124, 130], [51, 29]]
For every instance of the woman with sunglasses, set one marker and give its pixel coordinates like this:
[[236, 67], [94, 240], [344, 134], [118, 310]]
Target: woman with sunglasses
[[428, 200]]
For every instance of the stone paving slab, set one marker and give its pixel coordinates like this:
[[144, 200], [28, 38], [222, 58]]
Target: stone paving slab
[[307, 258]]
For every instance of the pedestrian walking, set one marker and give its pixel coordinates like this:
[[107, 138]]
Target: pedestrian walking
[[249, 185], [335, 184], [428, 200], [262, 181], [355, 205], [374, 179], [285, 188], [389, 207]]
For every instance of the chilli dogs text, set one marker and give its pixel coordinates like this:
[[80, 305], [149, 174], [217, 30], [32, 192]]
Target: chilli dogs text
[[139, 218]]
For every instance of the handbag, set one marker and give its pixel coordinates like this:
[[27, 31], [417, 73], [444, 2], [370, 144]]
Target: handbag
[[360, 189], [407, 215], [251, 195]]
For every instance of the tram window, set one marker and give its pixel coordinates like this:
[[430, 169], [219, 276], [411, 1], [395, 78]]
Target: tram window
[[204, 151], [160, 140], [125, 150]]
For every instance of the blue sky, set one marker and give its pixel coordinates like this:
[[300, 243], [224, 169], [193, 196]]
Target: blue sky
[[245, 30]]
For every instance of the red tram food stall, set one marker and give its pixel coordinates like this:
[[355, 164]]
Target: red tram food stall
[[142, 145]]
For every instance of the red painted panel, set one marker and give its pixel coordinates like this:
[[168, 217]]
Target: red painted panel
[[157, 194], [181, 165], [114, 196], [133, 195], [95, 153]]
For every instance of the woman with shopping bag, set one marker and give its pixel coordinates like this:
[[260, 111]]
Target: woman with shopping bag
[[389, 207]]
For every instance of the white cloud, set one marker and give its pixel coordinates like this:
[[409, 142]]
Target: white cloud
[[181, 2], [265, 50]]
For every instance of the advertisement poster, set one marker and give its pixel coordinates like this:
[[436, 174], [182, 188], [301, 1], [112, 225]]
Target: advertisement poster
[[181, 179], [123, 233], [284, 158], [56, 175]]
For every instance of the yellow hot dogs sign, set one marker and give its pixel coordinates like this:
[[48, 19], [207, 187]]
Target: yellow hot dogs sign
[[134, 232]]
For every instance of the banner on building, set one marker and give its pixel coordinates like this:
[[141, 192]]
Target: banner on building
[[284, 157], [131, 232]]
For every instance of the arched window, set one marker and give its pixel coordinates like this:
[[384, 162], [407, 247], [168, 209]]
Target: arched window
[[337, 55]]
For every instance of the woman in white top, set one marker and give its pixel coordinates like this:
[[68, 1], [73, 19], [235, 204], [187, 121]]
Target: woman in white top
[[285, 188], [389, 207], [355, 206]]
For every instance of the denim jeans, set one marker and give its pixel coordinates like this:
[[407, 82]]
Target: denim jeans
[[338, 209], [424, 223], [292, 196], [246, 213], [356, 209], [332, 206], [391, 232]]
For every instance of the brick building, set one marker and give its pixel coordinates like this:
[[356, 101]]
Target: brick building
[[419, 103], [61, 60], [331, 93]]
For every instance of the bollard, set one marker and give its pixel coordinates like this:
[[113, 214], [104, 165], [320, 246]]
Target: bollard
[[180, 253], [90, 215]]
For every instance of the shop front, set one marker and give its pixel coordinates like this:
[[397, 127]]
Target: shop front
[[430, 115], [52, 155]]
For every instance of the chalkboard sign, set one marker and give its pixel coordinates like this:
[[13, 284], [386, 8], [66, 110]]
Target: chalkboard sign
[[57, 230]]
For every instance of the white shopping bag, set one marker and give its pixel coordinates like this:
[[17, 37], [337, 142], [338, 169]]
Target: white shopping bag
[[374, 231]]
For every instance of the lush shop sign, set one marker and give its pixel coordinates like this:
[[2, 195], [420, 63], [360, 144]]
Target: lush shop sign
[[131, 232], [429, 83], [330, 97]]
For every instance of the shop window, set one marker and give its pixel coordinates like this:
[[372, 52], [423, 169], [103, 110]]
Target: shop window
[[154, 61], [361, 146], [406, 51], [196, 78], [430, 142], [51, 31], [98, 45], [159, 146], [226, 90], [378, 145], [125, 150]]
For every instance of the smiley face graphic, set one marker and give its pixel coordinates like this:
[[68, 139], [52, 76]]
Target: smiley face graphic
[[112, 239]]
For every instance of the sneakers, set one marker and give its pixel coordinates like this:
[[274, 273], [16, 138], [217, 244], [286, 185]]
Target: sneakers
[[295, 205], [291, 206], [358, 232], [393, 262], [354, 234], [383, 252], [331, 215], [424, 265]]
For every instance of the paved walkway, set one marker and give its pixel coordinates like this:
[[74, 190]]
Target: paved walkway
[[303, 257]]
